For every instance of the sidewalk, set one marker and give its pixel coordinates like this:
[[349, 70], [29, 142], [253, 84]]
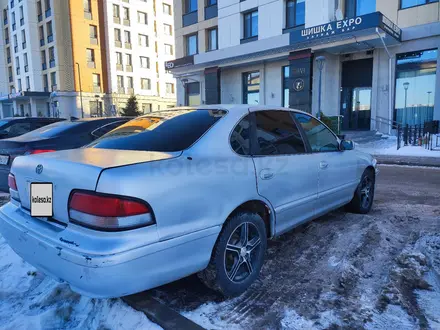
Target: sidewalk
[[408, 160]]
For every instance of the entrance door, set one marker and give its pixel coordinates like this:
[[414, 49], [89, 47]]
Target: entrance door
[[357, 79]]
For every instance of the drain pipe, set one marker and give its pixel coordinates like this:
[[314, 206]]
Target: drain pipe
[[390, 82]]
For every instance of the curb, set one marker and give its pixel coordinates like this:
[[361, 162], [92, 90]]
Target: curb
[[405, 163], [159, 313]]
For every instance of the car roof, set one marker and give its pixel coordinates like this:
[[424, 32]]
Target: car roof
[[9, 119]]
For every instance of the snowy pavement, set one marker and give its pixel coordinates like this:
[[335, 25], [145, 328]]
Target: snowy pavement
[[376, 271]]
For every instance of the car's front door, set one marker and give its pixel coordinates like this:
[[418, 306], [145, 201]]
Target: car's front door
[[337, 169], [286, 175]]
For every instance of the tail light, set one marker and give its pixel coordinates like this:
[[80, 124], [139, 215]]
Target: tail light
[[39, 151], [108, 212], [11, 182]]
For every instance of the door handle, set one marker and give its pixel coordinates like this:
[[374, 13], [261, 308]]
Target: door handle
[[266, 175], [323, 165]]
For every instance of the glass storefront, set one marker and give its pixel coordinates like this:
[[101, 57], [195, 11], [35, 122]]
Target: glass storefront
[[415, 87], [251, 87], [286, 92]]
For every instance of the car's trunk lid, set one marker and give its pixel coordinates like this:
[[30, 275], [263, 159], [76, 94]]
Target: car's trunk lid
[[73, 169]]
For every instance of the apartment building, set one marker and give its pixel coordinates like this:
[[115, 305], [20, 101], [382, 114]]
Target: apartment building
[[57, 59], [377, 59]]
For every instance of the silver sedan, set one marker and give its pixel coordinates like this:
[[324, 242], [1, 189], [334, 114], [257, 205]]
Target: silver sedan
[[177, 192]]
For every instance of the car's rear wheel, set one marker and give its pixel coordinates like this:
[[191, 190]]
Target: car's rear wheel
[[238, 255], [363, 197]]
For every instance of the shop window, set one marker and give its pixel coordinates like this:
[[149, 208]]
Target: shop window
[[413, 3], [359, 7], [251, 87], [286, 74], [295, 13], [415, 87], [192, 94]]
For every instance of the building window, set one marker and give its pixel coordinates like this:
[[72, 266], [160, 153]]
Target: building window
[[20, 87], [167, 29], [14, 25], [191, 44], [295, 13], [119, 58], [169, 88], [49, 32], [118, 41], [130, 82], [286, 74], [90, 56], [413, 3], [127, 37], [190, 6], [26, 63], [52, 57], [53, 79], [96, 78], [146, 108], [116, 11], [415, 87], [128, 60], [145, 62], [41, 35], [212, 39], [28, 83], [251, 87], [359, 7], [145, 83], [120, 83], [192, 94], [211, 3], [126, 15], [43, 60], [142, 18], [21, 16], [23, 39], [93, 31], [250, 25], [168, 49], [166, 9], [45, 83], [143, 40], [39, 11], [87, 9]]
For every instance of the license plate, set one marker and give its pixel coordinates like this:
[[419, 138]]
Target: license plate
[[41, 199], [4, 160]]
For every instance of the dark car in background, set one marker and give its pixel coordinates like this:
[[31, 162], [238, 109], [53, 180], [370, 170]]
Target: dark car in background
[[62, 135], [14, 126]]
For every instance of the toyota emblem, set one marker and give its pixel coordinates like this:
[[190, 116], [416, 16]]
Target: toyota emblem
[[39, 169]]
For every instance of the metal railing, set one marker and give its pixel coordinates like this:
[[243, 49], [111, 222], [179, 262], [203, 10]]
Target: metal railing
[[386, 125], [418, 135]]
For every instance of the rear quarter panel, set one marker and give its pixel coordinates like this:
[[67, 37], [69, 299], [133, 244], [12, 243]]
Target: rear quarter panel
[[196, 191]]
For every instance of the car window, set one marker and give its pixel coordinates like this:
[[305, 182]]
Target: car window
[[321, 139], [3, 123], [165, 131], [106, 128], [18, 129], [241, 137], [53, 130], [277, 134]]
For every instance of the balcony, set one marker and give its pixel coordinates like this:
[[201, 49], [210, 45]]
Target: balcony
[[48, 13], [211, 11], [49, 38], [23, 45], [26, 68], [88, 15], [190, 18], [96, 89], [44, 66], [52, 63], [119, 67], [91, 65], [41, 42], [126, 22], [127, 45], [7, 41], [118, 43], [121, 90], [21, 21], [9, 60], [116, 20], [93, 41], [128, 68], [40, 17]]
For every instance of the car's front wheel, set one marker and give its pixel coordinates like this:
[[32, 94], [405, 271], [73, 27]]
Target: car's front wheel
[[363, 197], [238, 255]]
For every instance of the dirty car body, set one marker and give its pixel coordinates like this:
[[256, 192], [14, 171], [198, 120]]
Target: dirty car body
[[180, 176]]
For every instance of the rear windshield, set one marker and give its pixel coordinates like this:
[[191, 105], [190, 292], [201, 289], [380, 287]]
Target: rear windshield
[[52, 130], [165, 131]]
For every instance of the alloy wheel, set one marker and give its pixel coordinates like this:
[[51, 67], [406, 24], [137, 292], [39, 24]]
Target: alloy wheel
[[366, 192]]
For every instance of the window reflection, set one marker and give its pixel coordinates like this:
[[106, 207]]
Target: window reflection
[[415, 87]]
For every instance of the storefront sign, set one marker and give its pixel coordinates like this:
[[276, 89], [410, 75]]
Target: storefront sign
[[300, 80], [349, 25], [180, 62]]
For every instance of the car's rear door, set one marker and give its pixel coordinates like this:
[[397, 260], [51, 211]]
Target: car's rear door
[[286, 174], [337, 169]]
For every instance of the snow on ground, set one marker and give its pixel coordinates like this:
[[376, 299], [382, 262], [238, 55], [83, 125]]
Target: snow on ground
[[30, 300], [389, 147]]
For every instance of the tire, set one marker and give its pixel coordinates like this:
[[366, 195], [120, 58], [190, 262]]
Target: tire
[[364, 195], [246, 263]]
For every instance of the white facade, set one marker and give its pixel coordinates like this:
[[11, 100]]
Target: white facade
[[158, 83]]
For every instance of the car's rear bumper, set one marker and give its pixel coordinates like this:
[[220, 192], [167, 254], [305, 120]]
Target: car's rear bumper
[[104, 275]]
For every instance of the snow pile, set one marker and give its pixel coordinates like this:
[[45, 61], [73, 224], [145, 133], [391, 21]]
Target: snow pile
[[30, 300], [389, 147]]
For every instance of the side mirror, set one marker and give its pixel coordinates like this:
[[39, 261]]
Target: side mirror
[[347, 145]]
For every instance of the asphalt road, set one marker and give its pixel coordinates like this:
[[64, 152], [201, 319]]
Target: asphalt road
[[340, 271]]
